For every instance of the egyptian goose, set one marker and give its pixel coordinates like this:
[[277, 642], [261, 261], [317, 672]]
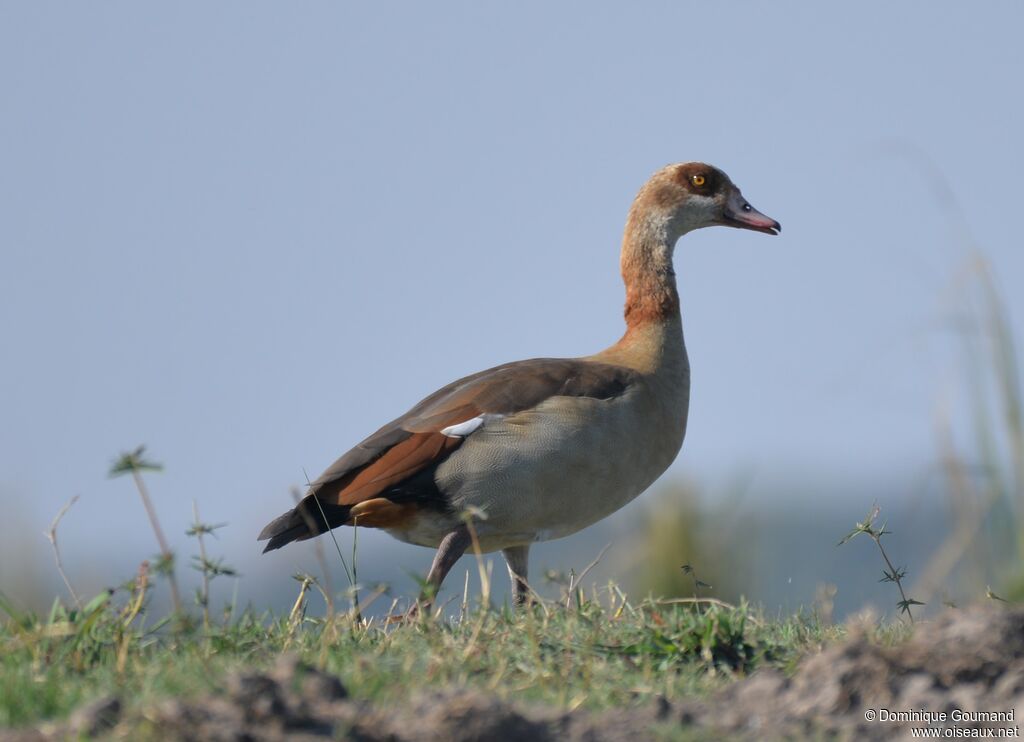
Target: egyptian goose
[[547, 446]]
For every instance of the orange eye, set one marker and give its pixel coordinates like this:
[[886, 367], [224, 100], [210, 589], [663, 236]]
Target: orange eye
[[697, 180]]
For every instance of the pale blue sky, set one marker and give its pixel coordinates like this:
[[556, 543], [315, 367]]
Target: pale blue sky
[[247, 234]]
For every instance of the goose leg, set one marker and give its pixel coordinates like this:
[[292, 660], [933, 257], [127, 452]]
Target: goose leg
[[517, 558], [452, 547]]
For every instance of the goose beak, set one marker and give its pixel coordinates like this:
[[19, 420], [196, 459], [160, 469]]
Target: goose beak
[[740, 214]]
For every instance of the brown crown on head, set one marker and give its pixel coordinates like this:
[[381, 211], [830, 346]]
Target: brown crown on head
[[701, 179]]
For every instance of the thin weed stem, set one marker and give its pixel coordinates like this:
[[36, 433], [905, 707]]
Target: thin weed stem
[[350, 575], [321, 557], [204, 597], [51, 535], [133, 463], [576, 580], [697, 583], [891, 574], [210, 568]]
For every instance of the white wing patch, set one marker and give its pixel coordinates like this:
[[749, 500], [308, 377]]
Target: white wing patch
[[461, 430]]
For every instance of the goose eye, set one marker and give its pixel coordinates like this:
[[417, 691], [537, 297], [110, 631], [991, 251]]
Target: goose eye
[[697, 180]]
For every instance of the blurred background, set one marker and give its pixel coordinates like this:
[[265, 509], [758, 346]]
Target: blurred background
[[246, 234]]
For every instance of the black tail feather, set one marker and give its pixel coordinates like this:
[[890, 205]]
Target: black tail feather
[[308, 519]]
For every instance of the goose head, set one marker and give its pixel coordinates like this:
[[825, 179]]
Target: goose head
[[687, 196]]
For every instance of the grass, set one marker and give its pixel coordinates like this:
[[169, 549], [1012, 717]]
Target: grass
[[595, 650], [600, 652]]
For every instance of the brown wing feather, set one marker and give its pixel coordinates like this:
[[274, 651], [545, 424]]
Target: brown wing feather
[[387, 463], [398, 463]]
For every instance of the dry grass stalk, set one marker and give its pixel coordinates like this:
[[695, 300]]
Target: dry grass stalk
[[51, 535]]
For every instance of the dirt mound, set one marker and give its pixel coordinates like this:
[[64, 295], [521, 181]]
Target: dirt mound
[[967, 661]]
